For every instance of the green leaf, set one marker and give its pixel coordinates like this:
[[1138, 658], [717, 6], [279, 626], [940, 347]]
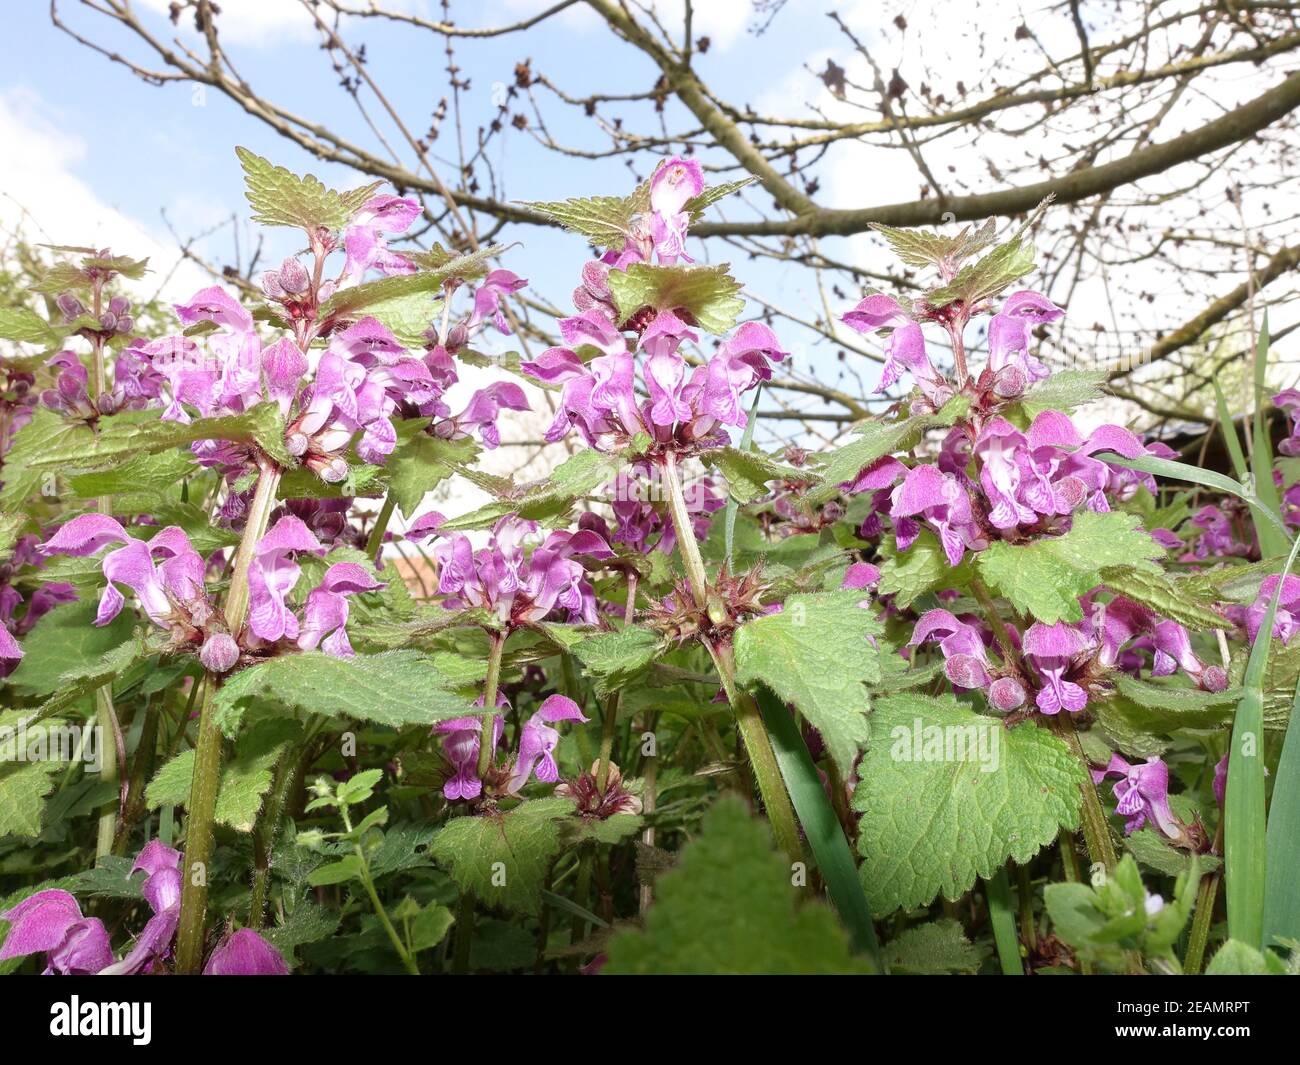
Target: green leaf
[[23, 788], [420, 464], [728, 907], [1272, 540], [817, 653], [146, 473], [395, 688], [502, 858], [1229, 429], [1281, 899], [46, 432], [279, 197], [1244, 825], [605, 220], [84, 677], [923, 567], [612, 659], [709, 294], [925, 247], [64, 641], [1064, 390], [245, 779], [345, 869], [748, 473], [876, 439], [1168, 596], [1046, 577], [986, 278], [1236, 958], [947, 795], [386, 293], [573, 479], [933, 948], [27, 327], [697, 205]]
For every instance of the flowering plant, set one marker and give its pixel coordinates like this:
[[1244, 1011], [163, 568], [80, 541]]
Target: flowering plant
[[985, 648]]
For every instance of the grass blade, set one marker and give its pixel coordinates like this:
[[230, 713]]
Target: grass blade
[[820, 825], [1271, 542], [1229, 430], [1002, 916], [1281, 893], [1245, 861], [1180, 471]]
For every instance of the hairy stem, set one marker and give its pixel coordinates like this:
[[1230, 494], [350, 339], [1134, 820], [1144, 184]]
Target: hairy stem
[[375, 543], [1096, 831], [487, 733], [207, 751]]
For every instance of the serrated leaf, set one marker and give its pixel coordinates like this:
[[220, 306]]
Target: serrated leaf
[[280, 197], [947, 795], [986, 278], [84, 677], [925, 247], [63, 641], [27, 327], [1236, 958], [922, 568], [1168, 596], [245, 779], [728, 907], [817, 653], [605, 220], [709, 294], [1046, 577], [45, 432], [876, 439], [384, 292], [23, 789], [148, 473], [570, 481], [420, 464], [394, 688], [697, 205], [748, 473], [1064, 391], [121, 441], [933, 948], [502, 858], [612, 659]]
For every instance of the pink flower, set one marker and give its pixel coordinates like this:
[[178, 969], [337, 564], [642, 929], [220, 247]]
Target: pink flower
[[538, 740]]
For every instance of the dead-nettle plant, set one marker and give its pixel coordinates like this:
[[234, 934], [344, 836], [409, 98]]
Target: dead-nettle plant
[[926, 657]]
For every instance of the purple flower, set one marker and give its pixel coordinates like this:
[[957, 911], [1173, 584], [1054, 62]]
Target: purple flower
[[272, 576], [326, 611], [50, 922], [965, 660], [1218, 536], [1013, 367], [1052, 649], [674, 183], [489, 297], [166, 573], [942, 501], [516, 589], [1220, 784], [10, 652], [365, 238], [1122, 624], [482, 411], [537, 742], [1142, 795], [460, 745], [245, 953], [1289, 401], [904, 346], [1287, 617]]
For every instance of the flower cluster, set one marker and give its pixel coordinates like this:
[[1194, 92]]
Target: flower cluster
[[166, 574], [50, 922]]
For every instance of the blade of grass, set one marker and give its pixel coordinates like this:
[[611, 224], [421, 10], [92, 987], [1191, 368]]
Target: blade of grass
[[1180, 471], [1281, 895], [820, 825], [1002, 916], [1229, 429], [1245, 862], [1271, 542]]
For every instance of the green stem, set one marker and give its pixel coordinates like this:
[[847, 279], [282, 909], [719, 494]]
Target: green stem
[[287, 775], [749, 720], [207, 751], [464, 934], [1206, 896], [1096, 830], [376, 539], [487, 729], [106, 721], [369, 884]]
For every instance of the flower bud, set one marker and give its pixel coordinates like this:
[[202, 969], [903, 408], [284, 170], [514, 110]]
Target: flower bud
[[1214, 679], [1006, 694], [293, 276], [219, 653]]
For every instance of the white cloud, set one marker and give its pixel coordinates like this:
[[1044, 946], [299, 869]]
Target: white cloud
[[42, 197]]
